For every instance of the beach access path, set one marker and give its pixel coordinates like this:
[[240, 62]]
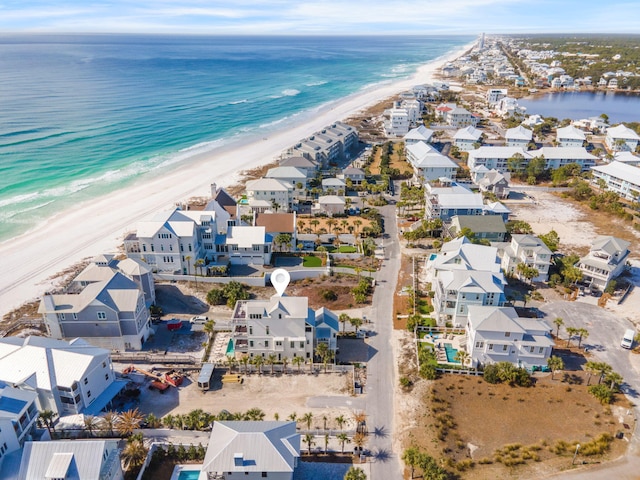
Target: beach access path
[[33, 260]]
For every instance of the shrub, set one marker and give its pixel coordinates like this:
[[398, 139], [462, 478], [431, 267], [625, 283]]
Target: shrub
[[329, 295], [428, 371], [216, 296], [405, 382]]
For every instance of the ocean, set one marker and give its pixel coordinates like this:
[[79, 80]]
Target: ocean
[[83, 115]]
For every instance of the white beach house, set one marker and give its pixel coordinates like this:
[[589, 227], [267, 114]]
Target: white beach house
[[620, 138], [68, 377], [269, 194], [498, 334], [518, 137], [419, 134], [429, 164], [495, 158], [557, 157], [605, 261], [18, 416], [570, 136], [620, 178], [528, 250], [466, 139]]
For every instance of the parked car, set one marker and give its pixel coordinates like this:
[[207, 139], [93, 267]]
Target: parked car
[[199, 319]]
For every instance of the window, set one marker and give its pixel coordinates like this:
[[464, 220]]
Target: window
[[266, 343], [507, 334], [264, 474], [251, 343], [61, 316], [479, 344], [75, 316], [144, 247], [301, 344], [250, 330], [267, 329], [86, 381], [505, 348], [531, 349], [491, 347], [256, 248], [89, 394], [153, 248], [292, 344], [104, 364], [234, 248], [106, 376], [541, 350], [102, 316], [278, 343]]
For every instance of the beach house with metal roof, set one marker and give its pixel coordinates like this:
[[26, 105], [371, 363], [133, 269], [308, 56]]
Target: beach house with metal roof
[[605, 261], [498, 334], [71, 460], [429, 164], [68, 377], [495, 158], [557, 157], [518, 137], [621, 138], [528, 250], [467, 138], [292, 175], [485, 227], [418, 134], [620, 178], [252, 450], [570, 136], [269, 194], [248, 245], [18, 416]]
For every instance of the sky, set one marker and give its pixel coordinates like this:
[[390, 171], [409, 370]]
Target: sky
[[321, 16]]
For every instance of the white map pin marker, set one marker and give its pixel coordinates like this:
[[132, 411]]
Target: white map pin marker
[[280, 279]]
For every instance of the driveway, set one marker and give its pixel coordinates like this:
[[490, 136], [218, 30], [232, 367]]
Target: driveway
[[605, 332]]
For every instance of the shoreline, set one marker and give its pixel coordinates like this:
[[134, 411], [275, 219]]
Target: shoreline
[[34, 259]]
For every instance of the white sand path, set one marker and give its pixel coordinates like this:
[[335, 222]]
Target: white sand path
[[98, 226]]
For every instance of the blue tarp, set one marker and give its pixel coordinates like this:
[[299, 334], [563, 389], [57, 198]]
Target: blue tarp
[[105, 397]]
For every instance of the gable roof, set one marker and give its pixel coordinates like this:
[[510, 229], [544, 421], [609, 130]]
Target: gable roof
[[519, 133], [622, 131], [570, 133], [268, 184], [252, 447], [468, 133], [326, 316], [480, 223], [246, 236], [609, 244], [300, 162], [621, 171], [421, 133], [286, 172], [570, 153], [175, 221], [494, 319], [78, 459]]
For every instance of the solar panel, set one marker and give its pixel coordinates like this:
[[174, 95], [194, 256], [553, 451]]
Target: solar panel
[[11, 405]]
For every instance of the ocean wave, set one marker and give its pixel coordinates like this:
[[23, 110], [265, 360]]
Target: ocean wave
[[316, 84], [9, 215], [237, 102], [290, 92], [18, 199]]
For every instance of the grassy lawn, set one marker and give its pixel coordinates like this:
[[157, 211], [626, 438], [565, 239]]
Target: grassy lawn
[[312, 261], [346, 249]]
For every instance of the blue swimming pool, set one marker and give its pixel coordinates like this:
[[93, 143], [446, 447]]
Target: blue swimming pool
[[189, 475], [451, 353], [433, 256], [230, 348]]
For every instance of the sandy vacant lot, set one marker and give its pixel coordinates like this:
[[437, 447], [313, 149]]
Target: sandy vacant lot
[[277, 394]]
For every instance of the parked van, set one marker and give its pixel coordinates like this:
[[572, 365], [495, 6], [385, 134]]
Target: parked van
[[627, 340]]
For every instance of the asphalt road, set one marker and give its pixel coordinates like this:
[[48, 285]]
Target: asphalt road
[[380, 369], [605, 333]]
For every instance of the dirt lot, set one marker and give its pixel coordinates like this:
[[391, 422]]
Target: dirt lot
[[396, 161], [485, 418], [576, 224], [277, 394]]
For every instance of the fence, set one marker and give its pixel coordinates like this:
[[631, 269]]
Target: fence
[[456, 331], [252, 281], [145, 357], [278, 368], [25, 323], [456, 371]]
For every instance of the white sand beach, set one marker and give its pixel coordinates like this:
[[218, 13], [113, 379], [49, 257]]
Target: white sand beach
[[31, 261]]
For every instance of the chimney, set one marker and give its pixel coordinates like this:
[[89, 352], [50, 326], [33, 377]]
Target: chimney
[[214, 189]]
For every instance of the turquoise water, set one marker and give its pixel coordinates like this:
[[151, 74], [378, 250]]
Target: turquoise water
[[83, 115], [619, 107], [189, 475], [230, 349], [451, 353], [433, 256]]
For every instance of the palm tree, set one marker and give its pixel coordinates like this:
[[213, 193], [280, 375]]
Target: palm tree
[[462, 357], [308, 418], [153, 421], [230, 362], [615, 379], [301, 225], [555, 364], [315, 224], [258, 361], [355, 473], [293, 416], [285, 362], [272, 359], [411, 457], [128, 422], [324, 353], [592, 369], [308, 439], [343, 318], [359, 440], [326, 443], [244, 360], [571, 331], [208, 328], [108, 421], [340, 420], [583, 334], [343, 438], [356, 322], [360, 419], [47, 417], [298, 361], [91, 423], [559, 322], [134, 453], [324, 422], [169, 421], [188, 259], [603, 369]]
